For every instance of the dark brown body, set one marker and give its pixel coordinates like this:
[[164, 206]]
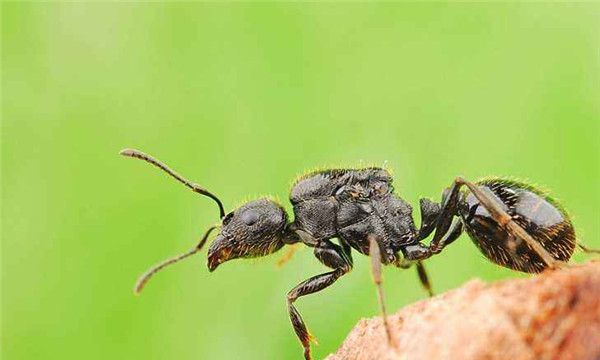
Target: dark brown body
[[531, 209], [513, 224], [351, 204]]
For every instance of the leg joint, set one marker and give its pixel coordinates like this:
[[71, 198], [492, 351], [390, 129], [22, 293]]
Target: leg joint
[[346, 268]]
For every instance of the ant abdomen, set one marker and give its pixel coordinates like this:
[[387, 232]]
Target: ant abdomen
[[532, 209]]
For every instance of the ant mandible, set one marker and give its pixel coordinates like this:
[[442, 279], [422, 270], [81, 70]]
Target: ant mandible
[[513, 224]]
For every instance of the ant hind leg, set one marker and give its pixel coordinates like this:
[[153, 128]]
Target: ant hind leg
[[424, 279], [455, 230]]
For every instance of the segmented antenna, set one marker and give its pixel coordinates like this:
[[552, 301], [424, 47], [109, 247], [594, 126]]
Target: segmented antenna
[[194, 187], [141, 283]]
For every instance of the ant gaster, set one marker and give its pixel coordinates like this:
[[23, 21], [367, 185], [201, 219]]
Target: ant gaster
[[513, 224]]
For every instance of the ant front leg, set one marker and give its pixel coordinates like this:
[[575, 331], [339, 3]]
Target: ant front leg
[[588, 250], [333, 256]]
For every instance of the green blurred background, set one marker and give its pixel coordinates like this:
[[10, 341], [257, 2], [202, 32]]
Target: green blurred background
[[242, 98]]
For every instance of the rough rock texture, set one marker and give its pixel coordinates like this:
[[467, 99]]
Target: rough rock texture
[[554, 315]]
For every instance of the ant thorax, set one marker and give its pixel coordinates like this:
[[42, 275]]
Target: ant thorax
[[352, 204]]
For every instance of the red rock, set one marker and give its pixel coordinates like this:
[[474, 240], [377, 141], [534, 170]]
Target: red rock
[[554, 315]]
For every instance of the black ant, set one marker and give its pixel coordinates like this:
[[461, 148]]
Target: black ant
[[513, 224]]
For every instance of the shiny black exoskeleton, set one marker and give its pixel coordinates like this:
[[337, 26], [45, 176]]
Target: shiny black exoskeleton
[[513, 224], [351, 205]]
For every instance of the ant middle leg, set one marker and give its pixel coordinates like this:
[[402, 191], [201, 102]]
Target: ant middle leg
[[376, 262], [330, 255]]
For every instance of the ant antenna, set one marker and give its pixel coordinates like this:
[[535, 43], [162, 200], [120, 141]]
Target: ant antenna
[[141, 283], [195, 188]]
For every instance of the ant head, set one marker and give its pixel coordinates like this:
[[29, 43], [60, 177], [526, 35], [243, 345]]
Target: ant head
[[252, 230], [255, 229]]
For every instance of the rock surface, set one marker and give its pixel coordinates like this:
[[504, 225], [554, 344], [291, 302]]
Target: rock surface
[[554, 315]]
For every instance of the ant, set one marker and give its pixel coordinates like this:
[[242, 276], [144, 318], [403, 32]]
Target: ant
[[513, 224]]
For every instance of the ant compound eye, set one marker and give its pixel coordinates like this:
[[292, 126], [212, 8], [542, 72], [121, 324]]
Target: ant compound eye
[[249, 217]]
